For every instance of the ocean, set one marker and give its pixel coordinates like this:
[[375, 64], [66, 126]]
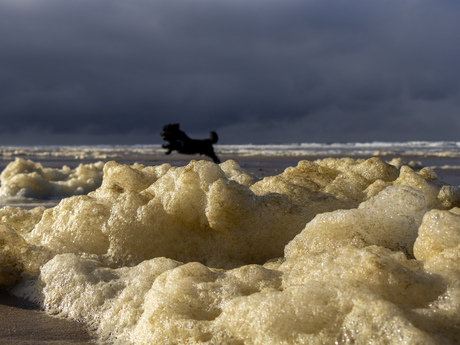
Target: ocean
[[310, 243], [418, 148]]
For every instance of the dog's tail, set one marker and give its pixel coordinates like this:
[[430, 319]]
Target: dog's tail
[[213, 136]]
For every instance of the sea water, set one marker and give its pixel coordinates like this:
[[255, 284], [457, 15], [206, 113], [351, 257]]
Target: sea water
[[331, 250]]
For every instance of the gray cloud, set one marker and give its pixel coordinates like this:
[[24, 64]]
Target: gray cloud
[[255, 71]]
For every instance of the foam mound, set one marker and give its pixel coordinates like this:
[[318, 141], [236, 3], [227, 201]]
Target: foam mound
[[332, 251], [27, 179]]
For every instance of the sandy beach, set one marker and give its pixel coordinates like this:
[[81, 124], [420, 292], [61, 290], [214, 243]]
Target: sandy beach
[[23, 323]]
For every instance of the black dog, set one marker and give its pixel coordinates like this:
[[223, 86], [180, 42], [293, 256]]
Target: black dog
[[180, 142]]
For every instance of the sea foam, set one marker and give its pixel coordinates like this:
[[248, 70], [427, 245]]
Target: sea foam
[[27, 179], [332, 251]]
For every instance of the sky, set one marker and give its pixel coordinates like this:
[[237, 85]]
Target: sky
[[261, 71]]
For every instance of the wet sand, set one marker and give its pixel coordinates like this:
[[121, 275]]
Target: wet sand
[[22, 323]]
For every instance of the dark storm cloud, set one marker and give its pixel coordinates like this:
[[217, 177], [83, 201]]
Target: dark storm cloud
[[256, 71]]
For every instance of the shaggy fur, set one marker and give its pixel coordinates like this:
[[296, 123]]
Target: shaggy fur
[[180, 142]]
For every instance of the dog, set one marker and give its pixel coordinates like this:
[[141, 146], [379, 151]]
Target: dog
[[180, 142]]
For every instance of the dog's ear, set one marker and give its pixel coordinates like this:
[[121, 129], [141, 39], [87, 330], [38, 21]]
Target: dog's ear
[[175, 125]]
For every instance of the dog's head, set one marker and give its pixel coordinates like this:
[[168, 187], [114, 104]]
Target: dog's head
[[170, 132]]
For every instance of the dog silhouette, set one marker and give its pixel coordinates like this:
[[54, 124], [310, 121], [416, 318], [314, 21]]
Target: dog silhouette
[[180, 142]]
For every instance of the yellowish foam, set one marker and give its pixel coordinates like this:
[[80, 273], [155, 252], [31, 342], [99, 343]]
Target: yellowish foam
[[25, 178], [333, 251]]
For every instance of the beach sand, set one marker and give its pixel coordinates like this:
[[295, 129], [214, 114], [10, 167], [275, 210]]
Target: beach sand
[[23, 323]]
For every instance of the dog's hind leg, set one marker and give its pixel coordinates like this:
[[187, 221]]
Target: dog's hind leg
[[214, 157]]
